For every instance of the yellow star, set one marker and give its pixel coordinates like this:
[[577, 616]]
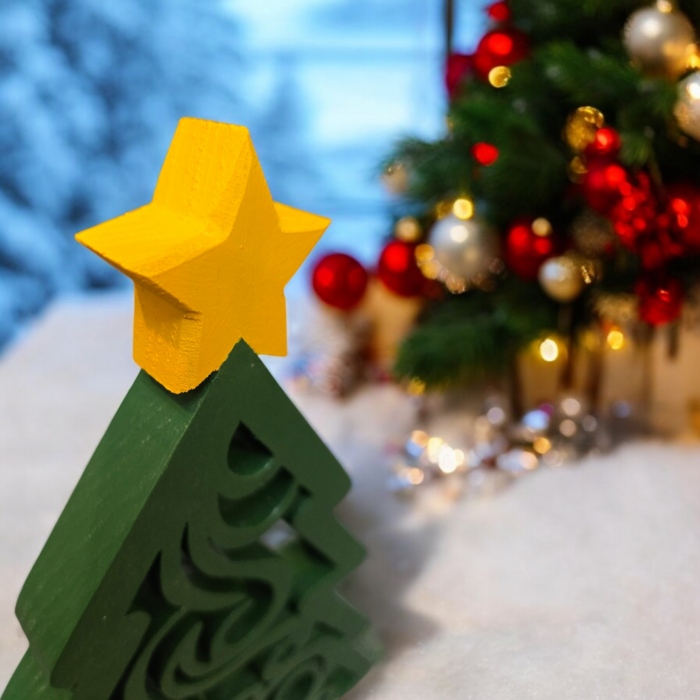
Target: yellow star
[[209, 256]]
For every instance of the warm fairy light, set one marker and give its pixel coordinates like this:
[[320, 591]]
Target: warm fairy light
[[529, 460], [693, 90], [463, 208], [568, 428], [425, 253], [433, 449], [541, 227], [416, 387], [664, 6], [549, 350], [693, 61], [420, 437], [430, 270], [542, 445], [571, 406], [408, 229], [499, 76], [447, 463], [415, 476], [615, 339], [460, 457]]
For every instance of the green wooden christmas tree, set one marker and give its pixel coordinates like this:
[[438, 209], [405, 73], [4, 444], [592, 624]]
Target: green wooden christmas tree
[[198, 555]]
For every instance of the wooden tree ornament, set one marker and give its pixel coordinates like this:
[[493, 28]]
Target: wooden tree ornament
[[198, 555]]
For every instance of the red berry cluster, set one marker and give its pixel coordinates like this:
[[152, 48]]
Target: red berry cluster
[[656, 225]]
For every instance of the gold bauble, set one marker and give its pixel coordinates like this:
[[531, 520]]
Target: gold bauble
[[660, 40], [561, 279], [687, 109], [581, 127]]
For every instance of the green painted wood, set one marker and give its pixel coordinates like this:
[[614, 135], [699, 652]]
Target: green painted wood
[[198, 556]]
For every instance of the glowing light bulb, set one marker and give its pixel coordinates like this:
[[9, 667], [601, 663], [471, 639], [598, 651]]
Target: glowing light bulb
[[616, 339], [541, 227], [463, 208], [549, 350]]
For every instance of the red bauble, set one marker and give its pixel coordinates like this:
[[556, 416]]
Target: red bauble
[[485, 153], [339, 280], [457, 68], [660, 299], [683, 212], [603, 185], [399, 271], [635, 214], [606, 144], [498, 11], [500, 47], [526, 251]]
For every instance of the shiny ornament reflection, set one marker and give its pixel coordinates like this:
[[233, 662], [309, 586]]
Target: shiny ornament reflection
[[659, 40], [465, 248], [687, 109]]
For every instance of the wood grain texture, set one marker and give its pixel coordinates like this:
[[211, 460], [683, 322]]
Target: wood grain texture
[[209, 256], [198, 556]]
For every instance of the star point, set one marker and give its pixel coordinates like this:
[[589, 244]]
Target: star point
[[209, 256]]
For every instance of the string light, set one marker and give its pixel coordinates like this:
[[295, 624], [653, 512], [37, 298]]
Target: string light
[[433, 449], [463, 208], [425, 253], [408, 229], [541, 227], [499, 76], [549, 350], [542, 445], [420, 437], [447, 463], [615, 339], [415, 476]]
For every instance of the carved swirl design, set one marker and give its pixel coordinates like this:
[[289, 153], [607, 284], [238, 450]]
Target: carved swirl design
[[228, 618]]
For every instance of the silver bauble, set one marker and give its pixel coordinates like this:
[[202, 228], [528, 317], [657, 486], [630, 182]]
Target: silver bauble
[[465, 248], [561, 279], [659, 40], [687, 109]]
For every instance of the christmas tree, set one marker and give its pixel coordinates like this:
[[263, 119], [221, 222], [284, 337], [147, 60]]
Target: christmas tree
[[198, 555], [563, 201]]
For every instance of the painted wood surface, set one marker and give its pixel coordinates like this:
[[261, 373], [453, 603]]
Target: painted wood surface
[[209, 256], [197, 557]]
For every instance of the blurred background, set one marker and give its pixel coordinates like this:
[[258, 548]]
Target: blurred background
[[91, 92]]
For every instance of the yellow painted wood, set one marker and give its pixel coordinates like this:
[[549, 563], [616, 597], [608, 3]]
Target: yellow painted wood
[[209, 256]]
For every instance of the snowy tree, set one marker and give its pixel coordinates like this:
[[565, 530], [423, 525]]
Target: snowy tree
[[90, 94]]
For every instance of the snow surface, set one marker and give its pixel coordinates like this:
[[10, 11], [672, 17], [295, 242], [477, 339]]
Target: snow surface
[[577, 583]]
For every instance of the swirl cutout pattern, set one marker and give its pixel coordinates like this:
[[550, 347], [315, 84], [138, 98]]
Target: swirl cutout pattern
[[235, 612]]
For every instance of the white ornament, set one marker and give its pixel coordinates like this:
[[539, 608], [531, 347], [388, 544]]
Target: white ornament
[[660, 40], [465, 248], [561, 279], [687, 109]]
